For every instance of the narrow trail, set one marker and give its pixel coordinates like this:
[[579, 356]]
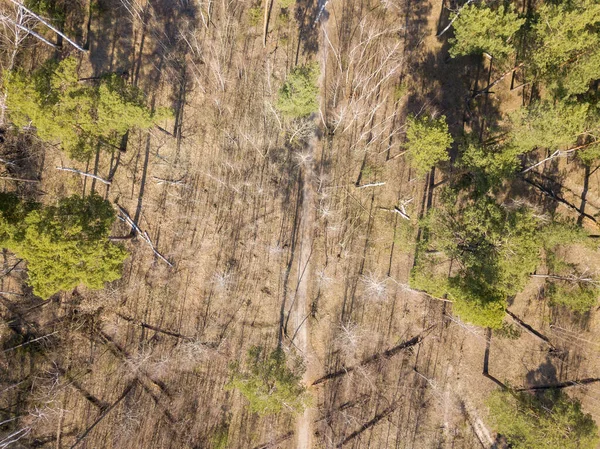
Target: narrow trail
[[301, 312]]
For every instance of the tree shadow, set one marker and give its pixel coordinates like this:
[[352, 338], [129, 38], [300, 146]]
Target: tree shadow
[[307, 13], [111, 38]]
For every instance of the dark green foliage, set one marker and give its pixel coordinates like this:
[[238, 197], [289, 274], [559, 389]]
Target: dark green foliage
[[268, 384], [427, 142], [590, 154], [489, 166], [298, 95], [508, 331], [78, 115], [220, 437], [64, 245], [551, 125], [561, 41], [481, 29], [494, 248], [577, 296], [549, 422], [566, 49], [255, 15]]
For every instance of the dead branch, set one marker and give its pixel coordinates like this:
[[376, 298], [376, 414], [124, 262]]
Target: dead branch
[[453, 19], [82, 173], [276, 441], [387, 411], [28, 31], [373, 184], [143, 234], [175, 182], [504, 75], [103, 415], [159, 330], [11, 178], [376, 357], [558, 198], [569, 278], [20, 5], [559, 153], [560, 385]]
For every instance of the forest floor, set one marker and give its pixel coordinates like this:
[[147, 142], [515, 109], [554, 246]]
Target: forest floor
[[270, 240]]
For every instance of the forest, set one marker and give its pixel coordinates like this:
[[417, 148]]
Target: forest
[[300, 224]]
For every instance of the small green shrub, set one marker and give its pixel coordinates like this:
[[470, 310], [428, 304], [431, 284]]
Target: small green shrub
[[267, 383], [298, 97], [255, 15]]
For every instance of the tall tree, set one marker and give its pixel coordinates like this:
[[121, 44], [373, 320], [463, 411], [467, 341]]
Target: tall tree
[[565, 50], [78, 115], [542, 422], [480, 29], [427, 142], [65, 245], [552, 125], [494, 249]]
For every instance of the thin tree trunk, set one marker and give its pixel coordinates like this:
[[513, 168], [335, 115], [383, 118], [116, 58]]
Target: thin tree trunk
[[27, 30], [387, 411], [103, 415], [82, 173], [20, 5], [374, 358], [558, 153], [453, 19], [560, 385], [487, 89]]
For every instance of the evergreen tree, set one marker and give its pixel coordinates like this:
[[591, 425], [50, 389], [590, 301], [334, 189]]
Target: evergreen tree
[[495, 248], [566, 45], [427, 142], [554, 126], [481, 29], [268, 384], [298, 97], [64, 245], [75, 114], [542, 422]]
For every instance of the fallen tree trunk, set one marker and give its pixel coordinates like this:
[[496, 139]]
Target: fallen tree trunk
[[374, 358]]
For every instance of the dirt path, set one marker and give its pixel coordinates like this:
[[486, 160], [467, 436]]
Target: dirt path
[[302, 309]]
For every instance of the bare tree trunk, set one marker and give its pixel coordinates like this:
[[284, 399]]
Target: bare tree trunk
[[20, 5], [453, 19], [103, 415], [387, 411], [82, 173], [558, 153], [374, 358], [560, 385]]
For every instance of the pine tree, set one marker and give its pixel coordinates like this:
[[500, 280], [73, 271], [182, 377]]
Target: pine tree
[[494, 248], [268, 384], [77, 115], [480, 29], [298, 95], [427, 142], [566, 45], [542, 422], [65, 245]]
